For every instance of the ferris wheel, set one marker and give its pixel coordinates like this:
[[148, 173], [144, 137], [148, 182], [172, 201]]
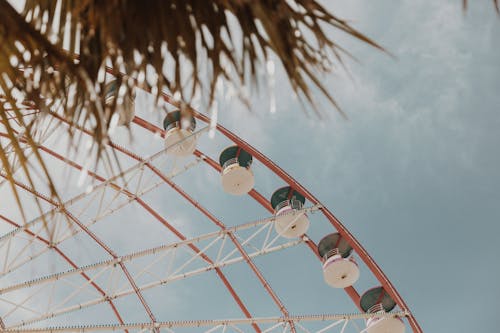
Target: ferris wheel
[[180, 232]]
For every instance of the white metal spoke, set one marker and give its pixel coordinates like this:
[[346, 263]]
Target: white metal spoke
[[302, 328], [270, 329], [79, 289], [67, 229], [330, 320], [178, 267], [108, 182], [149, 285], [344, 326], [164, 249], [335, 323]]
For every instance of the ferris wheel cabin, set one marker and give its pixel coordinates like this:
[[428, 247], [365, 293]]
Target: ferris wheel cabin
[[126, 110], [339, 268], [291, 221], [178, 133], [377, 300], [236, 175]]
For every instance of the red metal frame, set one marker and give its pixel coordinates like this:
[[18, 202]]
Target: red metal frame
[[95, 238], [374, 268], [70, 262], [150, 210], [364, 255], [198, 206], [360, 250]]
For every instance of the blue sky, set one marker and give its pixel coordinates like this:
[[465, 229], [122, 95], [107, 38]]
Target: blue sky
[[412, 172]]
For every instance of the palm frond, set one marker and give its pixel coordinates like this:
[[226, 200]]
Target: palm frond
[[199, 41], [59, 54]]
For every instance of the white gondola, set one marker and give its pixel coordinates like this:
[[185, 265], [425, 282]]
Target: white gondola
[[385, 325], [126, 110], [236, 175], [340, 270], [178, 133], [291, 221], [376, 300]]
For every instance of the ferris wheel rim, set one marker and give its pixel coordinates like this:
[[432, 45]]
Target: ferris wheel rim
[[359, 249], [374, 268], [172, 229]]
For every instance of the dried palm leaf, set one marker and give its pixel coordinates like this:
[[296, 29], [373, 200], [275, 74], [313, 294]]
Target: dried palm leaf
[[183, 46]]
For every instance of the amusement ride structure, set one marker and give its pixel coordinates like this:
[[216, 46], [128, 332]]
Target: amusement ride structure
[[177, 235]]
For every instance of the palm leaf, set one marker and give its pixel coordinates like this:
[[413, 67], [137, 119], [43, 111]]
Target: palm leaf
[[198, 42]]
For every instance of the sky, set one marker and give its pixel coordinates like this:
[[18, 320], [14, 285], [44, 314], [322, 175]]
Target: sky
[[412, 172]]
